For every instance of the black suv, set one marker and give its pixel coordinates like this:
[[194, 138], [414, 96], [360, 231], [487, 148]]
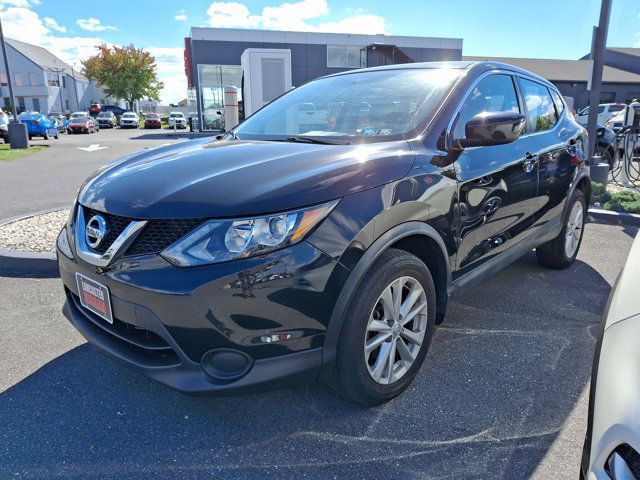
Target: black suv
[[325, 236]]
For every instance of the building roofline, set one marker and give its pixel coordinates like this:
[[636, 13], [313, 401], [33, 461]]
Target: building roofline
[[289, 36]]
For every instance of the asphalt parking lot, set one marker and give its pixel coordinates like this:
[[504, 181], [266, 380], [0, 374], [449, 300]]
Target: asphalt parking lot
[[502, 393]]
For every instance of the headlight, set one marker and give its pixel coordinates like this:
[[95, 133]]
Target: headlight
[[63, 243], [218, 241]]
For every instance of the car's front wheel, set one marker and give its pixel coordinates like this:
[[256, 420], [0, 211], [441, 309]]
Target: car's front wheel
[[387, 331], [563, 250]]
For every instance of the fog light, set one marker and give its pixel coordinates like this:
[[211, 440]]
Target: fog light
[[226, 364]]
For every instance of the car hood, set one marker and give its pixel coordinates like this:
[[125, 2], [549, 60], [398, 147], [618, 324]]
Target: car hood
[[204, 178]]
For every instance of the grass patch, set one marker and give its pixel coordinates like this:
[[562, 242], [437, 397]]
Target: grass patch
[[7, 153]]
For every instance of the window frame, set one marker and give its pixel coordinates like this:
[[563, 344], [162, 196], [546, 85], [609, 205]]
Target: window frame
[[17, 79]]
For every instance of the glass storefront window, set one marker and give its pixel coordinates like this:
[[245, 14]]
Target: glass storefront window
[[212, 80]]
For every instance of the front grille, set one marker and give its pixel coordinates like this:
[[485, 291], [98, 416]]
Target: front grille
[[159, 234], [154, 237], [115, 226]]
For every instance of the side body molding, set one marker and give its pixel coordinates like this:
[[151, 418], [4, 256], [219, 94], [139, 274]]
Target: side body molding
[[329, 351]]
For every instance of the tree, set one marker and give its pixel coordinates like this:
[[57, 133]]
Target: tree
[[124, 72]]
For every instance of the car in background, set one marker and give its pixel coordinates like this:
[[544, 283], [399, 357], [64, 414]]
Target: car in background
[[4, 127], [117, 111], [107, 119], [612, 443], [152, 120], [177, 120], [60, 122], [38, 125], [95, 109], [616, 122], [82, 125], [605, 143], [129, 120], [605, 112]]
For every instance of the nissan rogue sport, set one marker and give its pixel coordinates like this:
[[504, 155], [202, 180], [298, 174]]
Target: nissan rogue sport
[[324, 237]]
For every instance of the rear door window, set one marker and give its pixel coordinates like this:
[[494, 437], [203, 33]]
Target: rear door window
[[541, 112]]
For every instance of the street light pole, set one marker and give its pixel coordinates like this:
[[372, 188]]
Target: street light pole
[[6, 68], [597, 57]]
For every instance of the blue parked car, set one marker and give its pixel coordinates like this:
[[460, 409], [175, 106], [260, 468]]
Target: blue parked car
[[39, 125]]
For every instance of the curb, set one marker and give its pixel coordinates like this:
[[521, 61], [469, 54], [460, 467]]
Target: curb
[[28, 264], [598, 215]]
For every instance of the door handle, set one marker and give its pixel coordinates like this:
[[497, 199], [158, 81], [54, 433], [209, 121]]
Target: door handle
[[529, 161]]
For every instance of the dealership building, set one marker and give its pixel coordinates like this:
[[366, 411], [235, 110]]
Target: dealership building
[[213, 58]]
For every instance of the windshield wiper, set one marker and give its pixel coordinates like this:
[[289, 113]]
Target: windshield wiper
[[320, 141]]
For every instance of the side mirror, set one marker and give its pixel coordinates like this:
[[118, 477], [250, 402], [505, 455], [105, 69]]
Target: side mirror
[[492, 128]]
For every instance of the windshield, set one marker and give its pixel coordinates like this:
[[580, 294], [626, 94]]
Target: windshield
[[79, 119], [379, 104], [104, 115], [174, 115], [129, 115]]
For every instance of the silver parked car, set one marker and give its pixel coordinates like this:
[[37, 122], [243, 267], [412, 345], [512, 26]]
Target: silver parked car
[[613, 432]]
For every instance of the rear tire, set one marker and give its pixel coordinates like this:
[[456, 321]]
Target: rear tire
[[387, 330], [562, 251]]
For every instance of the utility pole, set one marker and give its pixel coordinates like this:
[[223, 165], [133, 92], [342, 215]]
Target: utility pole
[[18, 134], [598, 48]]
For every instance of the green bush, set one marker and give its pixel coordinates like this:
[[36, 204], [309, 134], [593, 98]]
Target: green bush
[[625, 201], [599, 194]]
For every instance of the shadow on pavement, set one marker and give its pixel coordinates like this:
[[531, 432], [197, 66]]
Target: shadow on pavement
[[504, 372]]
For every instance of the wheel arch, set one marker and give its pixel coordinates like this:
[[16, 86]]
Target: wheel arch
[[418, 238]]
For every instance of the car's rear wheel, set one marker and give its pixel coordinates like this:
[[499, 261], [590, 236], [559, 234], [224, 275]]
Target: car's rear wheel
[[387, 331], [563, 250]]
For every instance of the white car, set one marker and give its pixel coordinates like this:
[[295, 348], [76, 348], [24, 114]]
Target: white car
[[605, 112], [129, 120], [178, 119], [79, 114], [613, 431], [616, 122]]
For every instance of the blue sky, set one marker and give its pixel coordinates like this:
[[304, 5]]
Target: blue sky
[[516, 28]]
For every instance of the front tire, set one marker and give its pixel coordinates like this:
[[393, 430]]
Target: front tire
[[562, 251], [387, 330]]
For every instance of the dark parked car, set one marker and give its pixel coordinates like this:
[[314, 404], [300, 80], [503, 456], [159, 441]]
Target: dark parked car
[[107, 119], [605, 143], [117, 111], [326, 235], [82, 125]]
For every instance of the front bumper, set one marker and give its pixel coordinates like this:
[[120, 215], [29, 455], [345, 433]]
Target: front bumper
[[273, 310]]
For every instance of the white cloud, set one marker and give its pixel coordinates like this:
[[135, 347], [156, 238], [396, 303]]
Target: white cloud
[[15, 3], [170, 62], [93, 25], [53, 25], [231, 14], [17, 20], [304, 15], [181, 15]]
